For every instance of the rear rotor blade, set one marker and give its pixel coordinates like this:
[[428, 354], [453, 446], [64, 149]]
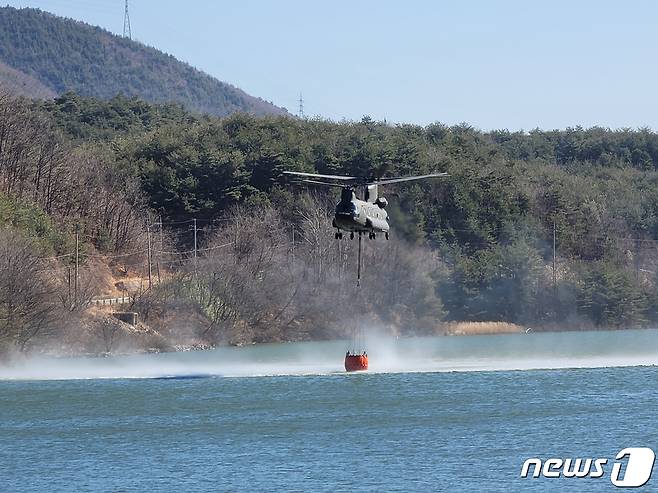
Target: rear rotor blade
[[407, 178], [317, 175]]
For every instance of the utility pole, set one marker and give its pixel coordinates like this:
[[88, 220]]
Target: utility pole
[[161, 234], [293, 245], [237, 236], [126, 24], [301, 106], [195, 248], [636, 259], [148, 236], [157, 264], [77, 262]]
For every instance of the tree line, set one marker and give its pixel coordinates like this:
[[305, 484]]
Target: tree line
[[475, 246]]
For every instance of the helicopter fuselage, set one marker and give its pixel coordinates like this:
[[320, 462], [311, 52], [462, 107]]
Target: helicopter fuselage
[[360, 216]]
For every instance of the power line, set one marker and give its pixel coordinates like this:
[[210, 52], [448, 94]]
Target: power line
[[127, 33], [191, 221], [187, 252], [136, 252]]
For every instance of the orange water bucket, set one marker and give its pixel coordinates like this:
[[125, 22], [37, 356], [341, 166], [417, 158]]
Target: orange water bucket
[[356, 362]]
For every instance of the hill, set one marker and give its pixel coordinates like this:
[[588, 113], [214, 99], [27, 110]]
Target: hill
[[42, 55], [491, 223], [21, 84], [549, 230]]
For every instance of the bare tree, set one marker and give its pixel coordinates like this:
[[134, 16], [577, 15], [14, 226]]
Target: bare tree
[[37, 163], [250, 289], [27, 306], [243, 279], [89, 285]]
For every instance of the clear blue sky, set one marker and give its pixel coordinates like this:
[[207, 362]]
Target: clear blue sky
[[515, 64]]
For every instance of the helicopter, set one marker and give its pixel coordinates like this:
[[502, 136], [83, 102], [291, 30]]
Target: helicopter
[[355, 215]]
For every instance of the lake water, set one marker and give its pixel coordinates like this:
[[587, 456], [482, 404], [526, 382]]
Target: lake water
[[433, 414]]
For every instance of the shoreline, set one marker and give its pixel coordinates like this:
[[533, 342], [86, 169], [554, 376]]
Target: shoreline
[[202, 347]]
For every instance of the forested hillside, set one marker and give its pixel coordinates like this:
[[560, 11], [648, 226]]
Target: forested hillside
[[492, 221], [49, 53], [478, 245], [21, 84]]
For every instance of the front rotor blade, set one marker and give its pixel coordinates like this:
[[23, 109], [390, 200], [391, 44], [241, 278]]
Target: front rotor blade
[[317, 175], [407, 178], [324, 183]]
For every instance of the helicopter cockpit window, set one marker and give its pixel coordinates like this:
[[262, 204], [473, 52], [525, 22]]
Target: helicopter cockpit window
[[346, 195]]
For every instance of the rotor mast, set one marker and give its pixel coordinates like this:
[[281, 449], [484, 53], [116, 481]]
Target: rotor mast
[[370, 193]]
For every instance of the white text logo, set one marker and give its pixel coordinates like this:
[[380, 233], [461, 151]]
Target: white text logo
[[632, 467]]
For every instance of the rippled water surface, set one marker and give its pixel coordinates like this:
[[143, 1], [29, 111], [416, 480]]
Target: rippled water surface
[[433, 414]]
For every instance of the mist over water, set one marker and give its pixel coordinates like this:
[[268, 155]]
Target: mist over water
[[386, 355]]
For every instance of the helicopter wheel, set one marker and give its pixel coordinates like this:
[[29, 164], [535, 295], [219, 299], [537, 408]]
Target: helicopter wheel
[[386, 234], [336, 235], [352, 235], [340, 236]]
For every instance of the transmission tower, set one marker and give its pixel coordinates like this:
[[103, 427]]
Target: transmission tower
[[126, 24], [301, 106]]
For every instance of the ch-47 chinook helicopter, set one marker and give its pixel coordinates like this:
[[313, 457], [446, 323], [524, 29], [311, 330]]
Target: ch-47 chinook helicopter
[[355, 215]]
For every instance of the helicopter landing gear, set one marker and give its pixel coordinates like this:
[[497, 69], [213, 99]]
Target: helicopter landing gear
[[352, 235], [372, 236], [386, 235], [338, 235]]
